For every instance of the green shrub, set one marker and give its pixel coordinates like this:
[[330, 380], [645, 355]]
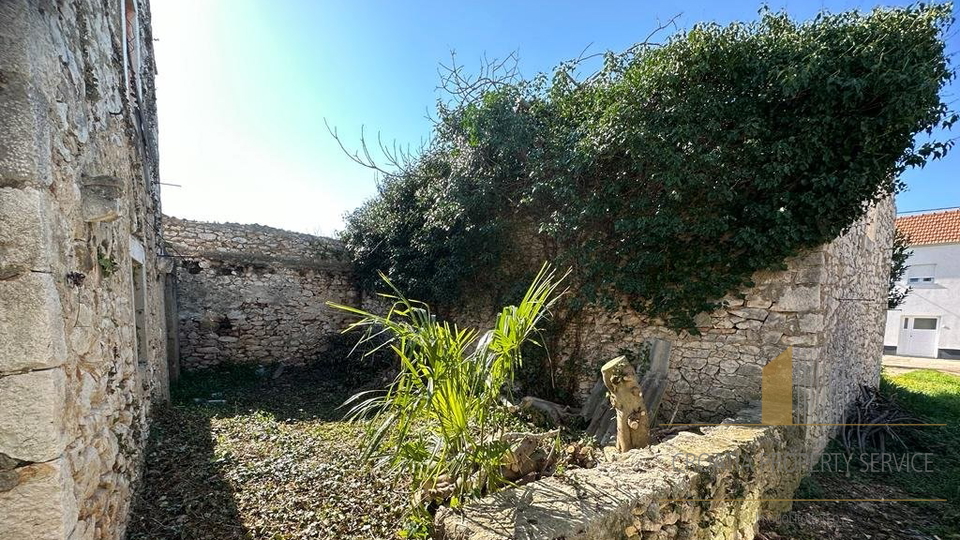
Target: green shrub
[[441, 420], [674, 173]]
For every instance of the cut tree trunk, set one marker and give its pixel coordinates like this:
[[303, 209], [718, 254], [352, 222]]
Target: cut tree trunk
[[626, 396], [597, 412]]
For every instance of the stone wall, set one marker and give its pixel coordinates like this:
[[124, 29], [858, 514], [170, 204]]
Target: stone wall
[[252, 294], [829, 305], [691, 487], [82, 345]]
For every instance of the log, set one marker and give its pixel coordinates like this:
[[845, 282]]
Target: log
[[526, 455], [557, 414], [597, 398], [654, 382], [626, 396]]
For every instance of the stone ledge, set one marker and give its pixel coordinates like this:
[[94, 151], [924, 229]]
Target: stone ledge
[[648, 494]]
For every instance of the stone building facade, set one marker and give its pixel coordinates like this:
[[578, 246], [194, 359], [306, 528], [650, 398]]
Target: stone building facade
[[250, 294], [82, 334]]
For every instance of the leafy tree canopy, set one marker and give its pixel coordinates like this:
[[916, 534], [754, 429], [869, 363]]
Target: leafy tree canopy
[[676, 171]]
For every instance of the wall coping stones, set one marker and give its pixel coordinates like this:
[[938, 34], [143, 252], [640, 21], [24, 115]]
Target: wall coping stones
[[657, 492]]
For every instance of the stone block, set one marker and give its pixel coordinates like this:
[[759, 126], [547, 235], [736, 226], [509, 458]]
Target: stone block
[[20, 117], [41, 506], [101, 199], [753, 314], [799, 298], [31, 334], [811, 322], [25, 242], [32, 415]]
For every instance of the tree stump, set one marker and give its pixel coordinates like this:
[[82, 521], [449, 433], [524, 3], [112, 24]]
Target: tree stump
[[626, 396]]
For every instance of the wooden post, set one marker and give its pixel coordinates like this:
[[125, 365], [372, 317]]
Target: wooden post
[[633, 423]]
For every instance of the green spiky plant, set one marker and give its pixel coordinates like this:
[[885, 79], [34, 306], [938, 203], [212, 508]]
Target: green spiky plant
[[442, 418]]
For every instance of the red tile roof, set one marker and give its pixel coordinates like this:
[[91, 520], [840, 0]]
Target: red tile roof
[[933, 228]]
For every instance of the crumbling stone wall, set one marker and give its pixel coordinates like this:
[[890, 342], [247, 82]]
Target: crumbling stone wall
[[828, 304], [255, 294], [692, 487], [81, 301]]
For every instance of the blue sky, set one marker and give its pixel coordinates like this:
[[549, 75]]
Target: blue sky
[[244, 87]]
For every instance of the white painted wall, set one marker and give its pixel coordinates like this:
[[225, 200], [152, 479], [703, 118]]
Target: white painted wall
[[939, 299]]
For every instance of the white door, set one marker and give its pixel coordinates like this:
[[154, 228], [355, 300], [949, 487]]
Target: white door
[[919, 336]]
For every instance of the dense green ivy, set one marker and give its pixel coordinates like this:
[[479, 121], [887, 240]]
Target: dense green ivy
[[675, 172]]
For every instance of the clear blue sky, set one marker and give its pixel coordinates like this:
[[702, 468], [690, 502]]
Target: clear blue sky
[[244, 87]]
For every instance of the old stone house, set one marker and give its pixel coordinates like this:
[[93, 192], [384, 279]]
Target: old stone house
[[82, 272]]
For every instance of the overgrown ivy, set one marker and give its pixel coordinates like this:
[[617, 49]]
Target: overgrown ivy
[[672, 174]]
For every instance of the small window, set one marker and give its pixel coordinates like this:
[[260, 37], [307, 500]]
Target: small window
[[925, 324], [906, 323]]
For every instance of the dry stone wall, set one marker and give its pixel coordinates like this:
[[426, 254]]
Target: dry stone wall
[[82, 344], [828, 304], [692, 487], [251, 294]]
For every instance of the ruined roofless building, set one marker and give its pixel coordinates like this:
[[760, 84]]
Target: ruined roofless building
[[82, 276]]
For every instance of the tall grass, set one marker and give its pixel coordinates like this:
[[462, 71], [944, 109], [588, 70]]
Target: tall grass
[[442, 418]]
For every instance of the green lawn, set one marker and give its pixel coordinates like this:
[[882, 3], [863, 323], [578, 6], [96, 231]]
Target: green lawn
[[931, 396], [935, 398]]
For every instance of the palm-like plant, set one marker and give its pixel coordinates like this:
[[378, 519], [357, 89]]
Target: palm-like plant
[[442, 418]]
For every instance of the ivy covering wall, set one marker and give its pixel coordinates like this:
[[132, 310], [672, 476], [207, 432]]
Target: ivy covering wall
[[672, 174]]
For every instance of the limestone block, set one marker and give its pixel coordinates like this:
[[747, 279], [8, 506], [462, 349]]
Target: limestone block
[[101, 199], [41, 506], [25, 242], [32, 415], [32, 333], [811, 322], [799, 298], [20, 151]]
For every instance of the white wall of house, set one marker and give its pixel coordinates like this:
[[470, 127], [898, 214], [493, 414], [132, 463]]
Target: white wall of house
[[934, 276]]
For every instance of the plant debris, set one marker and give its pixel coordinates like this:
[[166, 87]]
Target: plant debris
[[273, 461]]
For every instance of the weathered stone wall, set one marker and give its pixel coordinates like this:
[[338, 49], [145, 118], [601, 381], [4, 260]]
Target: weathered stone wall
[[829, 305], [79, 265], [255, 294], [691, 487]]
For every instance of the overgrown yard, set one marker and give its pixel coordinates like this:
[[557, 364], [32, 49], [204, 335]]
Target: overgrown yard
[[241, 455]]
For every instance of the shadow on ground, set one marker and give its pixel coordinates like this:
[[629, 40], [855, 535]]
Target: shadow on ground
[[246, 453], [933, 398]]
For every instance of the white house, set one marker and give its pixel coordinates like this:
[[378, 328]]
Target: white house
[[928, 322]]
